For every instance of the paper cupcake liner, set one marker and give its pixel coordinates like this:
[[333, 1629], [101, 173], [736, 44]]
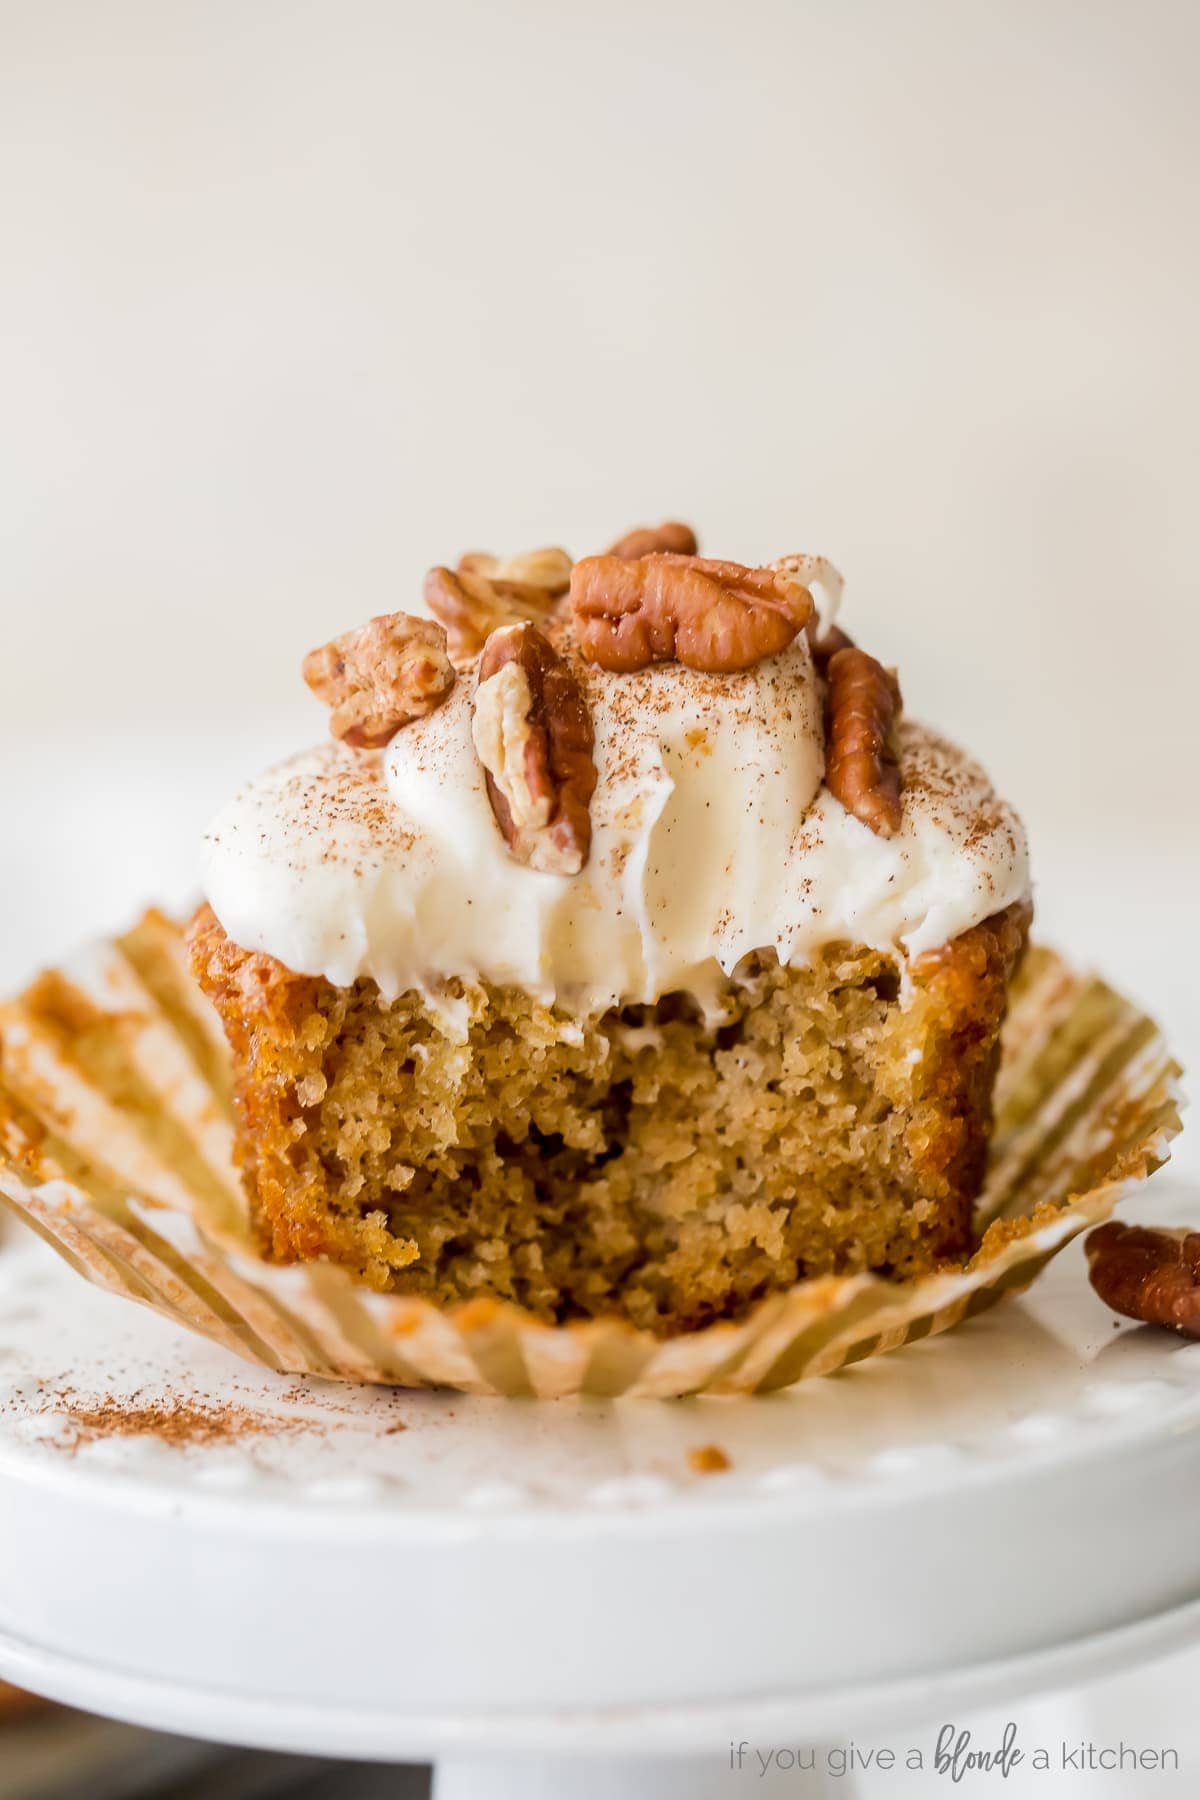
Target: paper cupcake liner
[[116, 1145]]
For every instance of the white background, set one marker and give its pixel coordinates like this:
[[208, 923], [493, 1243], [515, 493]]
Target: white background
[[297, 299]]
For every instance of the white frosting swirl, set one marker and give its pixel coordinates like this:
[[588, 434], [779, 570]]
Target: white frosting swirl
[[712, 837]]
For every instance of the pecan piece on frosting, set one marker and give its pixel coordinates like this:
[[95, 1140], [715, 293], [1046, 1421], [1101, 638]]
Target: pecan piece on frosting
[[533, 735], [672, 535], [826, 644], [485, 592], [862, 766], [715, 616], [531, 573], [380, 676], [1147, 1273]]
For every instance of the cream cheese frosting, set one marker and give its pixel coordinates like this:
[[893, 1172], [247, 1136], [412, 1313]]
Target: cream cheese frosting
[[712, 836]]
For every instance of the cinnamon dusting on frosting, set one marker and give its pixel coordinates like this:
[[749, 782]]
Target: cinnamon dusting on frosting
[[712, 836]]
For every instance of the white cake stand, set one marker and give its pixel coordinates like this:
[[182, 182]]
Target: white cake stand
[[502, 1585]]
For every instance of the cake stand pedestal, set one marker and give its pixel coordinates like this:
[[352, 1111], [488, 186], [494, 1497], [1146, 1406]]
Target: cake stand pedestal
[[552, 1597]]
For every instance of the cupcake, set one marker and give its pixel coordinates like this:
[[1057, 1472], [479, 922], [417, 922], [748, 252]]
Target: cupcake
[[624, 952]]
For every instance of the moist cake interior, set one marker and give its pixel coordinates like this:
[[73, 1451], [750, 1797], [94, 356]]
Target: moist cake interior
[[640, 1162]]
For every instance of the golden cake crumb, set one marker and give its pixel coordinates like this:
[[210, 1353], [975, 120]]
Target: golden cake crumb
[[637, 1162], [708, 1459]]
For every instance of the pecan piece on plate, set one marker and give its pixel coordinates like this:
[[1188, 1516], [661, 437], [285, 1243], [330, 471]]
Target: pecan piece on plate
[[1147, 1273], [380, 676], [485, 592], [862, 764], [672, 535], [533, 735], [714, 616]]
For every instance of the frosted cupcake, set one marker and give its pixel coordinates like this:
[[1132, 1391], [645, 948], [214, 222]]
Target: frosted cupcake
[[624, 952]]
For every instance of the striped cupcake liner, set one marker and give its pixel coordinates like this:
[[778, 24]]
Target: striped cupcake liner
[[117, 1147]]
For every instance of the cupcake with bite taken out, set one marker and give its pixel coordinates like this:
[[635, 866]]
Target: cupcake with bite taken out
[[625, 950]]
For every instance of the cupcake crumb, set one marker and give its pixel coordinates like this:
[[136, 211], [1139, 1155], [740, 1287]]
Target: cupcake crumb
[[708, 1459]]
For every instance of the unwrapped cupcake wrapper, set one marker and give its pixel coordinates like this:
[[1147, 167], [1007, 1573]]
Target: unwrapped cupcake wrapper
[[116, 1145]]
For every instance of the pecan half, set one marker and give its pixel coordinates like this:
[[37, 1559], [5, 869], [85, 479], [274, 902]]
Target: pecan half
[[714, 616], [862, 765], [826, 644], [485, 592], [533, 735], [672, 535], [379, 677], [1147, 1273]]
